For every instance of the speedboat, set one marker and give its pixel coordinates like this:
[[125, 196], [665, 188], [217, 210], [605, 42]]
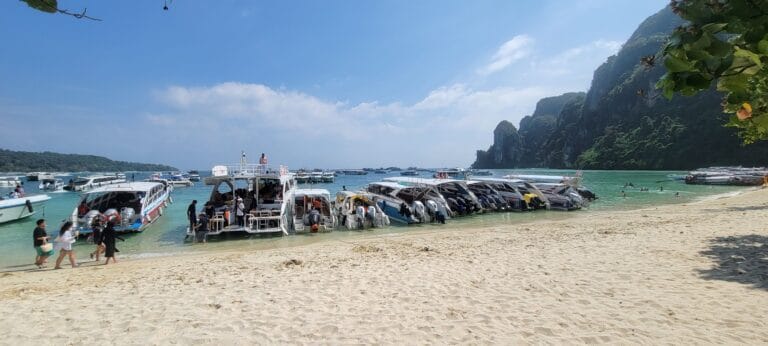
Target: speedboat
[[267, 194], [304, 219], [491, 199], [80, 184], [174, 179], [328, 177], [409, 173], [520, 194], [12, 209], [548, 179], [9, 181], [194, 175], [51, 184], [34, 176], [480, 172], [562, 196], [132, 206], [409, 204], [358, 210], [460, 199]]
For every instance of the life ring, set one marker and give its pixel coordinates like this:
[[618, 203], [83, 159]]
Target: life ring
[[29, 206]]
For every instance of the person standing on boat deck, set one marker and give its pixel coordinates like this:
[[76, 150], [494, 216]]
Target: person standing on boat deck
[[40, 238], [240, 212], [109, 237], [201, 232], [64, 243], [192, 215], [263, 159]]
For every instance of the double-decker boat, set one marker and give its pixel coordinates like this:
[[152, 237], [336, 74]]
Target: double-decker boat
[[267, 194]]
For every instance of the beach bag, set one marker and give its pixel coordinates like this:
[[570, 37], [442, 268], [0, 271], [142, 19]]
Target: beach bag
[[47, 247]]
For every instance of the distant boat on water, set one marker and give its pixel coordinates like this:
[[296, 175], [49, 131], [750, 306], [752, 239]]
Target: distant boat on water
[[409, 173]]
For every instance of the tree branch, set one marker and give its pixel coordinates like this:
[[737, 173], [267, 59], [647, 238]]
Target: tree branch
[[80, 15]]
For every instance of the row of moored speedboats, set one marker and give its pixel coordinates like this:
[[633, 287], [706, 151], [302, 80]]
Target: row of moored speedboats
[[742, 176]]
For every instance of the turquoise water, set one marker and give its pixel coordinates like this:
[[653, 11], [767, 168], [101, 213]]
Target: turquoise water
[[167, 235]]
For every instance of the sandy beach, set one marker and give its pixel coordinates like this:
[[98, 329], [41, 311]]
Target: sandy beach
[[693, 273]]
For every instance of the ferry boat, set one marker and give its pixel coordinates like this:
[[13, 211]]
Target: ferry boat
[[10, 181], [358, 210], [409, 204], [451, 173], [80, 184], [267, 194], [304, 219], [12, 209], [133, 206]]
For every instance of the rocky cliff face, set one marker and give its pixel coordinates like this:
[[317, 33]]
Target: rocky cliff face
[[623, 122]]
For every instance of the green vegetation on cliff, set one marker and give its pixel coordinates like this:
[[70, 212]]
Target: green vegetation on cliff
[[23, 161], [623, 121]]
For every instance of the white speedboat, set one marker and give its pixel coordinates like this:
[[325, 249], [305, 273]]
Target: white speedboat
[[9, 181], [451, 173], [267, 194], [12, 209], [193, 175], [133, 206], [51, 184], [358, 210], [547, 179], [305, 200], [174, 179], [409, 204], [88, 183]]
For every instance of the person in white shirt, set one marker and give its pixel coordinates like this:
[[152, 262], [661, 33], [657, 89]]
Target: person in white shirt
[[63, 243]]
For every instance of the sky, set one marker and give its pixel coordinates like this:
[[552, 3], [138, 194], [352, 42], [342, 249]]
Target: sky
[[313, 84]]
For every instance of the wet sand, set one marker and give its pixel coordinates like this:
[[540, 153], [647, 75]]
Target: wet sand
[[691, 273]]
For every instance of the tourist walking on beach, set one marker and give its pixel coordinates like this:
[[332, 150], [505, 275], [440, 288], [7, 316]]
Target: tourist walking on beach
[[64, 244], [97, 237], [192, 215], [109, 237], [40, 238]]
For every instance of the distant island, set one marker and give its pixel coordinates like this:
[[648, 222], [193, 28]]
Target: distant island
[[25, 161]]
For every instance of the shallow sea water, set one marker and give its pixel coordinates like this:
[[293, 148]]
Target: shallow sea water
[[167, 235]]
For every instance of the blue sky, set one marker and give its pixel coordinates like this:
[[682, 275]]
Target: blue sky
[[311, 83]]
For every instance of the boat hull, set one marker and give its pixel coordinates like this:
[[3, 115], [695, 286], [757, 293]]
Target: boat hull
[[18, 208]]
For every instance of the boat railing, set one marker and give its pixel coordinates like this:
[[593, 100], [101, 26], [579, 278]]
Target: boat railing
[[250, 170]]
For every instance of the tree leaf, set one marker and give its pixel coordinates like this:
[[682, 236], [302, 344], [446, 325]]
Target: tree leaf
[[48, 6], [674, 64]]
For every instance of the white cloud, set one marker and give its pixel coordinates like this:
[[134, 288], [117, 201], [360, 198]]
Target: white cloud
[[443, 129], [515, 49]]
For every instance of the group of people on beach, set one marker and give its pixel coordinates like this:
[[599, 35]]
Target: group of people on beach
[[103, 239]]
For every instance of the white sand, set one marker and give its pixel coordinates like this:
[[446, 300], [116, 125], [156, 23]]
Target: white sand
[[652, 276]]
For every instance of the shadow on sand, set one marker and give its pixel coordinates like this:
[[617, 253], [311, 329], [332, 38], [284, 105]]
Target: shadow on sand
[[742, 259]]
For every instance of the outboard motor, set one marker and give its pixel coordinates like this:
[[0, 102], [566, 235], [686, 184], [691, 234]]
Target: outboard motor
[[432, 208], [126, 214], [89, 216], [371, 215], [360, 216], [419, 211]]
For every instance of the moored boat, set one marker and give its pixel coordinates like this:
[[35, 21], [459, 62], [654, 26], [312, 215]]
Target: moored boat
[[51, 184], [9, 181], [312, 211], [409, 204], [460, 199], [132, 206], [193, 175], [358, 210], [12, 209], [80, 184], [267, 195]]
